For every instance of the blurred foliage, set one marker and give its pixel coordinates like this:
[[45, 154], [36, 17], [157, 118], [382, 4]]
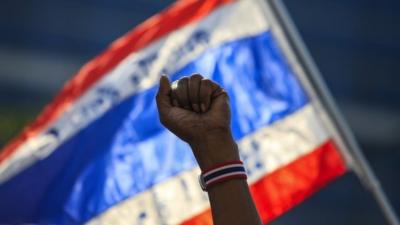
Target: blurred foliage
[[12, 121]]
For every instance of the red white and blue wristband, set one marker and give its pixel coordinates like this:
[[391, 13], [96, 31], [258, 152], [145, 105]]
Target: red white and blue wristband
[[222, 172]]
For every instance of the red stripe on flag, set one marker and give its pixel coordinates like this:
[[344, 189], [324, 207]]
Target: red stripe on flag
[[286, 187], [178, 15]]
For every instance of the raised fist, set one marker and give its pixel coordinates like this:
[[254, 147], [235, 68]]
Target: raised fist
[[197, 111]]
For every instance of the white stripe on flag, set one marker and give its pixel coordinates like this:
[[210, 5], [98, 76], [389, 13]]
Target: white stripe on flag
[[181, 197]]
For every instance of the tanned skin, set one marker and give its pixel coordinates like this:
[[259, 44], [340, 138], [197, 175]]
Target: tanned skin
[[197, 111]]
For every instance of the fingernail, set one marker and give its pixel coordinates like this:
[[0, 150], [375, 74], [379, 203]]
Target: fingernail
[[203, 107], [196, 107]]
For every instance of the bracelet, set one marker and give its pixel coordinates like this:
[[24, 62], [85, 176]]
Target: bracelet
[[222, 172]]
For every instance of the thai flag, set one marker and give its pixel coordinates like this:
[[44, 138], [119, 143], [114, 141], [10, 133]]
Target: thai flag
[[98, 154]]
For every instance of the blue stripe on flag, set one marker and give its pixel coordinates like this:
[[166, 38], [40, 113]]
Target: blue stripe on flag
[[127, 150]]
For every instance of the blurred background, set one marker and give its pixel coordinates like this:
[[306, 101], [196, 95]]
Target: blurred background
[[354, 43]]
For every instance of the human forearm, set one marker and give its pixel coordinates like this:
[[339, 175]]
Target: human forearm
[[230, 201]]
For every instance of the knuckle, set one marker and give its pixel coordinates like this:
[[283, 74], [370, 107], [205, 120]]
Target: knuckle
[[196, 76], [206, 84], [183, 79], [211, 84], [207, 81]]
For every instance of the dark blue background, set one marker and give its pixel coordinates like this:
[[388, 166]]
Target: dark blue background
[[354, 43]]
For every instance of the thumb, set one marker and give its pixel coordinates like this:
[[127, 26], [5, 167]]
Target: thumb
[[163, 96]]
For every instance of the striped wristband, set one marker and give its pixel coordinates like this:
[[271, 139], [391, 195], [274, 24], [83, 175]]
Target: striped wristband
[[222, 172]]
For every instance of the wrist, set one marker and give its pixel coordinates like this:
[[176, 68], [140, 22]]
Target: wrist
[[220, 173], [214, 148]]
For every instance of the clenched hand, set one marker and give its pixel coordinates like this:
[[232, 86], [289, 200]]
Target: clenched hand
[[197, 111]]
